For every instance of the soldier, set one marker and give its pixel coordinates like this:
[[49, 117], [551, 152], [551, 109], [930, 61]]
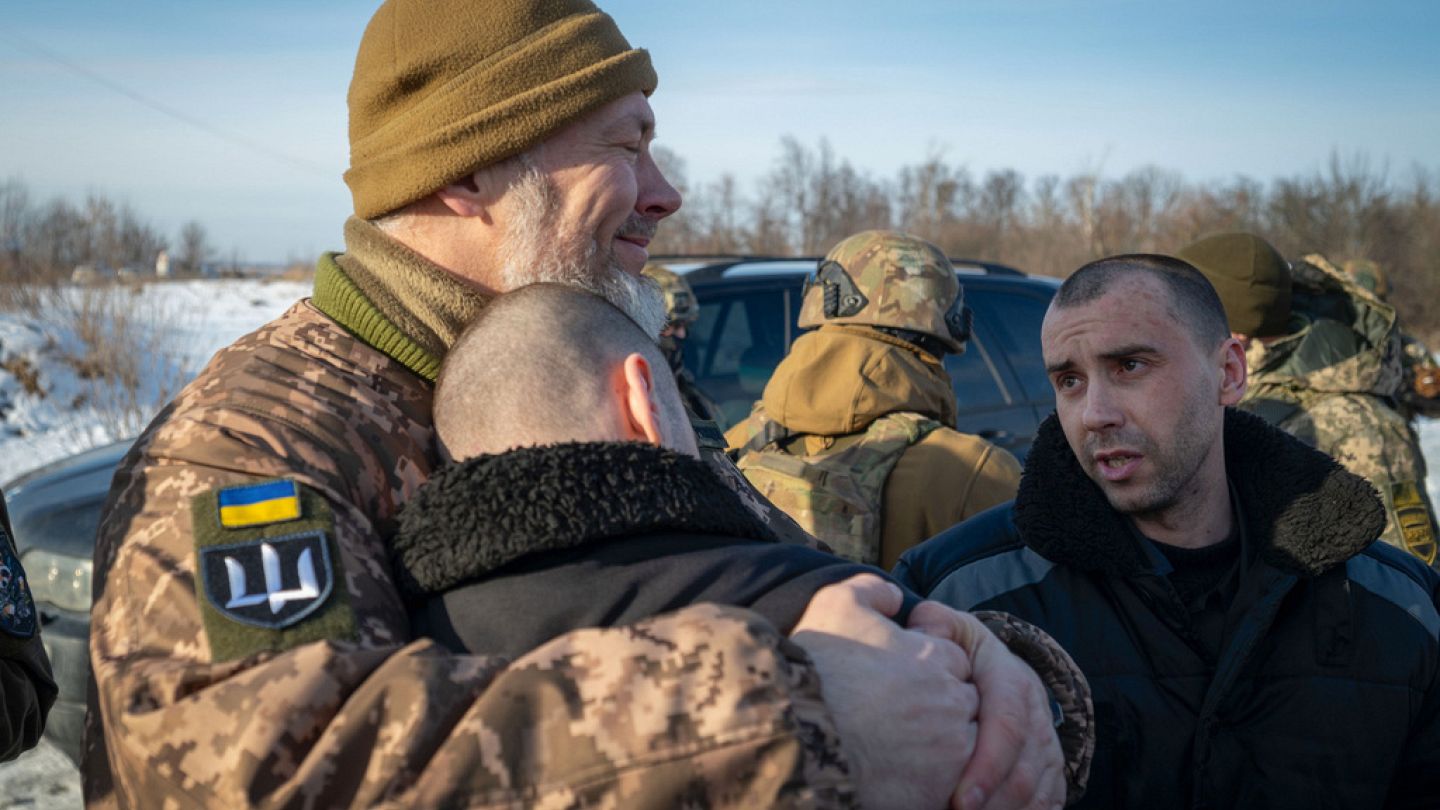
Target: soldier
[[27, 688], [1324, 365], [853, 436], [1419, 393], [248, 642], [681, 311]]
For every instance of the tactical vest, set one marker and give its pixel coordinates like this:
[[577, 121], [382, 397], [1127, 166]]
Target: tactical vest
[[835, 495]]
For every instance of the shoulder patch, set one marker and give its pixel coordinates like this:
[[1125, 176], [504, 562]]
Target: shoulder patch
[[1416, 526], [258, 504], [17, 608], [268, 569]]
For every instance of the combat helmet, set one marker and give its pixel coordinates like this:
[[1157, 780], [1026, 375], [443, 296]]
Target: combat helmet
[[680, 304], [1370, 275], [889, 280]]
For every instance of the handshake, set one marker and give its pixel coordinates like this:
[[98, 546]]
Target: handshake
[[941, 713]]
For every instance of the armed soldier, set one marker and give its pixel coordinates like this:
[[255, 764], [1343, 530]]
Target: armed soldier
[[1419, 393], [1324, 364], [249, 644], [854, 434], [682, 310]]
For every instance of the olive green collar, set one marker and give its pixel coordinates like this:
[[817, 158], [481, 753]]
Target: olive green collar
[[394, 299]]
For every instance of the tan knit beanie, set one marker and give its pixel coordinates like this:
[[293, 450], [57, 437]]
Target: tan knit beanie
[[444, 87], [1251, 278]]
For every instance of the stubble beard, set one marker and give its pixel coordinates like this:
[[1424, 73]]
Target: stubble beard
[[535, 249], [1176, 466]]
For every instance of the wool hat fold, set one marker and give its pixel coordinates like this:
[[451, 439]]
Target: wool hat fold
[[444, 87], [1251, 278]]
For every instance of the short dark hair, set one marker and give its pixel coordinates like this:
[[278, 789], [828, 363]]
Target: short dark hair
[[1193, 300]]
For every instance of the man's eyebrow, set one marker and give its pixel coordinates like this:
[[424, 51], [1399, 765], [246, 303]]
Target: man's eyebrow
[[1059, 366], [625, 127], [1129, 350]]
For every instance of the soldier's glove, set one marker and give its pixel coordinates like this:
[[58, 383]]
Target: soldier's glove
[[1069, 692]]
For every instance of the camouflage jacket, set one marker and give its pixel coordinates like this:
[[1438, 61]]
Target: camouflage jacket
[[835, 382], [1333, 383], [193, 708]]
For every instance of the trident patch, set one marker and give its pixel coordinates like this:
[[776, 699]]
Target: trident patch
[[274, 582], [268, 569]]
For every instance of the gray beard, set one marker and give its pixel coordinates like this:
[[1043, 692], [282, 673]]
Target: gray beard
[[535, 251]]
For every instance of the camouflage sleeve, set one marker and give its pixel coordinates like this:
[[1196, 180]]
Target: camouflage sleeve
[[1067, 687], [707, 705], [1375, 442]]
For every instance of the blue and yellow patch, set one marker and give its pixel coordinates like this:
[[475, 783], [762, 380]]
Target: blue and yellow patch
[[250, 505]]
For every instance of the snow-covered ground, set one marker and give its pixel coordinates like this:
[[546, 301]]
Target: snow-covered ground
[[160, 335]]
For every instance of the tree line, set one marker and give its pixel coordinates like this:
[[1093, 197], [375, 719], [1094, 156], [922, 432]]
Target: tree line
[[811, 198], [45, 241]]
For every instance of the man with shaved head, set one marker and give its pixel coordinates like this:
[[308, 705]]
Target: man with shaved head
[[1248, 640], [579, 501]]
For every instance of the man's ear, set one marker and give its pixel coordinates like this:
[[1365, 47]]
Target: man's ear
[[1234, 376], [466, 198], [639, 413]]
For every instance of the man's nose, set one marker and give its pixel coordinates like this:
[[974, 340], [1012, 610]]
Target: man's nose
[[1102, 412], [657, 198]]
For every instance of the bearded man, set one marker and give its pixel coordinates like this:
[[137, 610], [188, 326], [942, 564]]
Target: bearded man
[[249, 645]]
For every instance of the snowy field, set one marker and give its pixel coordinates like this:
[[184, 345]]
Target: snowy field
[[158, 336], [67, 411]]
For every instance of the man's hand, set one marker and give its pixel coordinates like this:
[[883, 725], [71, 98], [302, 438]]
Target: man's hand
[[902, 699], [1017, 760]]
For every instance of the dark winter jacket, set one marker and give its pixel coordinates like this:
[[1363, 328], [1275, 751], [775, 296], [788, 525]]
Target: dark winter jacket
[[590, 535], [1325, 692]]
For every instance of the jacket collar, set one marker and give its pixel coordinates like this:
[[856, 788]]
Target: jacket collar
[[394, 299], [1303, 512], [473, 517]]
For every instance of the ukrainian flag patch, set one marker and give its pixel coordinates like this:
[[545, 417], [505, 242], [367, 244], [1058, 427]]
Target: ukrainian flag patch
[[259, 504]]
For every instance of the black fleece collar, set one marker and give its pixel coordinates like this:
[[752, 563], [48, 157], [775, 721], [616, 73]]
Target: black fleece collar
[[475, 516], [1302, 510]]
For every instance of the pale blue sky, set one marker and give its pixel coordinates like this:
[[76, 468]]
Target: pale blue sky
[[1210, 89]]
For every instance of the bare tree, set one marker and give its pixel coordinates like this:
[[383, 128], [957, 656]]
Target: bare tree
[[195, 248]]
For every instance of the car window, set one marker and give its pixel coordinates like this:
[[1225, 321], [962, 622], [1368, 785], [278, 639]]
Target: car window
[[738, 340], [1014, 320], [973, 374]]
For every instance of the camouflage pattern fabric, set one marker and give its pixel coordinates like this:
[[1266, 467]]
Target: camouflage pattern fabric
[[836, 496], [1333, 384], [888, 279], [1420, 386], [1067, 687], [681, 306], [704, 707]]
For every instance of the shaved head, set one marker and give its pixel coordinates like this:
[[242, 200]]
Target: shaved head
[[539, 366]]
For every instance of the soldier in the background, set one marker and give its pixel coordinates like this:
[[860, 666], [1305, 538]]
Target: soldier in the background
[[1324, 364], [1419, 393], [27, 688], [682, 310], [854, 436]]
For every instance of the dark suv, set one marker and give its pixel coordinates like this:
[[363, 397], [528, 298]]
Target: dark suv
[[748, 311]]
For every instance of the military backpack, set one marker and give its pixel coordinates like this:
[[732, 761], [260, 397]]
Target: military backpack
[[835, 495]]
